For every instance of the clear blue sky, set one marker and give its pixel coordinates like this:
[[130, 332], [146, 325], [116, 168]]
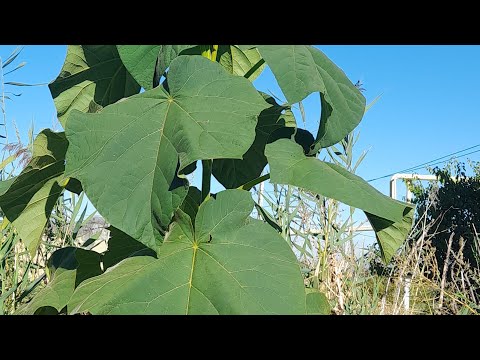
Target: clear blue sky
[[429, 106]]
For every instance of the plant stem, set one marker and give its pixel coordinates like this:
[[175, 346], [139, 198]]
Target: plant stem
[[210, 52], [247, 186], [206, 178], [254, 68], [287, 213]]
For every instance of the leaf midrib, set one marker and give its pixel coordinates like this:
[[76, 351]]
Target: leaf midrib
[[195, 248]]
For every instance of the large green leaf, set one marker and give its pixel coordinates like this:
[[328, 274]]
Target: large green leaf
[[229, 264], [207, 114], [289, 165], [28, 199], [273, 123], [122, 246], [68, 268], [141, 60], [240, 62], [301, 70], [93, 76]]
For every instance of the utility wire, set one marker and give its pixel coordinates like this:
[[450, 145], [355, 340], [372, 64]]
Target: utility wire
[[431, 162], [440, 162], [440, 158]]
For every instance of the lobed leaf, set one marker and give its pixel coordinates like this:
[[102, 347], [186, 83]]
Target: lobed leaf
[[143, 142], [301, 70], [228, 264]]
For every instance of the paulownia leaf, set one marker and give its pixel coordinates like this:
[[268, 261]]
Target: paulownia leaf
[[92, 77], [28, 199], [317, 303], [229, 264], [141, 60], [301, 70], [273, 123], [289, 165], [68, 268], [240, 62], [122, 246], [127, 157]]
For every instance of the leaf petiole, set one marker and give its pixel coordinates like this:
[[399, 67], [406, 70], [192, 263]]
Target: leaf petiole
[[247, 186], [206, 178], [254, 68]]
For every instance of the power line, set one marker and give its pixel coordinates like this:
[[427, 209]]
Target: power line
[[431, 162], [440, 162], [421, 166], [444, 161], [443, 157]]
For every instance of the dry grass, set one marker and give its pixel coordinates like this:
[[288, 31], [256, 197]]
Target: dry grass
[[412, 284]]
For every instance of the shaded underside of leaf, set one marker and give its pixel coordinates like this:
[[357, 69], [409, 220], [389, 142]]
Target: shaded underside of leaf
[[192, 202], [206, 114], [122, 246], [229, 264], [74, 186], [92, 77], [5, 185]]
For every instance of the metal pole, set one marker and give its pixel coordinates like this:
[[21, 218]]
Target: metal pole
[[406, 294], [394, 178]]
